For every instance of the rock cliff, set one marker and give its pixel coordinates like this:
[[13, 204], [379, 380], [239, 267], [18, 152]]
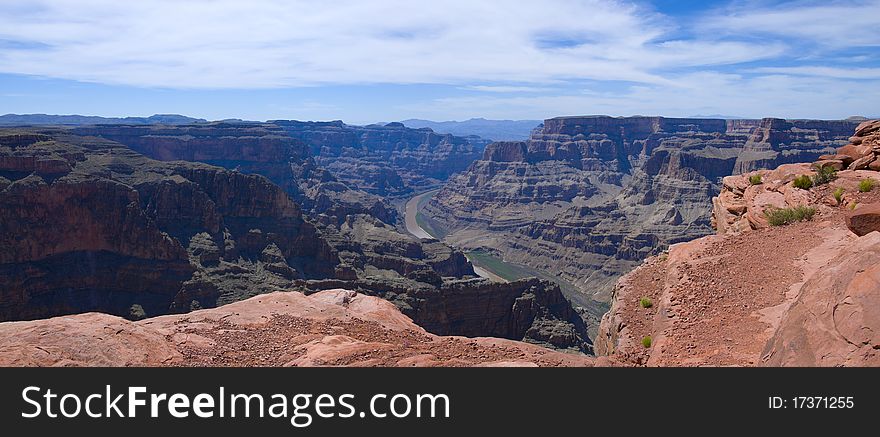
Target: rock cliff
[[386, 160], [254, 148], [91, 225], [586, 199]]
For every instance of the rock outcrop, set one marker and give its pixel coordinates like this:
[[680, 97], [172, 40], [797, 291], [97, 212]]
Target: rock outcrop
[[860, 154], [586, 199], [330, 328], [802, 294]]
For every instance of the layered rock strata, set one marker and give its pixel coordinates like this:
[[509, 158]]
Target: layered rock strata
[[387, 160]]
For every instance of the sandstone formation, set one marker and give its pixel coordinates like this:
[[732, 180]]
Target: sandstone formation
[[330, 328], [803, 294], [587, 198], [860, 154]]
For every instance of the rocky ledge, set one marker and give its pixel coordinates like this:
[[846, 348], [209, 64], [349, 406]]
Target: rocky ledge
[[329, 328]]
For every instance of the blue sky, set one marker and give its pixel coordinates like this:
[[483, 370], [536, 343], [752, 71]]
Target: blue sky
[[386, 60]]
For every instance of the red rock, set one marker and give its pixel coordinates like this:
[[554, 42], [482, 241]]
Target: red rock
[[862, 163], [855, 152], [845, 158], [836, 318], [334, 327], [867, 128], [864, 220], [832, 163]]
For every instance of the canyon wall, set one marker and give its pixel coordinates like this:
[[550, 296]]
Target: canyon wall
[[91, 225], [386, 160]]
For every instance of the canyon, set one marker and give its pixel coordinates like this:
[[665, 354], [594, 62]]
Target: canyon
[[319, 243], [586, 199]]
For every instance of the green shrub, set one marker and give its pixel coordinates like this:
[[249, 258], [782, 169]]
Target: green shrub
[[853, 205], [136, 312], [866, 185], [646, 302], [646, 342], [786, 216], [824, 176], [838, 195], [803, 182], [755, 179]]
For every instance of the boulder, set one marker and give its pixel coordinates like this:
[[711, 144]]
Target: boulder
[[864, 220], [867, 128], [855, 152], [862, 163], [836, 164], [845, 158]]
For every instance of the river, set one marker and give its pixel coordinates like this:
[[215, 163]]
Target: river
[[412, 210], [413, 227]]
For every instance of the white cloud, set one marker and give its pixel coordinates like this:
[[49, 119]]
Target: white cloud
[[700, 93], [822, 71], [281, 43], [506, 89], [832, 24]]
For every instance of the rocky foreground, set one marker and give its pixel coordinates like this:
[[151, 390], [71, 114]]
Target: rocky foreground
[[802, 294], [330, 328]]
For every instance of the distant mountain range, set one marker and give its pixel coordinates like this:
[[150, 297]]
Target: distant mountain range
[[498, 130], [76, 120]]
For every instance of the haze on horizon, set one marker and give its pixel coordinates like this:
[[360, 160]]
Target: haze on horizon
[[389, 60]]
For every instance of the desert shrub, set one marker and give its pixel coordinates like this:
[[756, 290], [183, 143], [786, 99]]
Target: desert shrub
[[853, 205], [866, 185], [646, 342], [838, 195], [646, 302], [803, 182], [755, 179], [786, 216], [824, 176], [136, 312]]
